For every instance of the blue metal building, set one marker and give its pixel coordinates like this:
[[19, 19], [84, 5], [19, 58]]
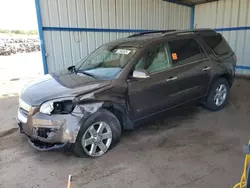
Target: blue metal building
[[71, 29]]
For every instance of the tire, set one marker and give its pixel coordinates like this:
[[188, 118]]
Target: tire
[[211, 102], [106, 118]]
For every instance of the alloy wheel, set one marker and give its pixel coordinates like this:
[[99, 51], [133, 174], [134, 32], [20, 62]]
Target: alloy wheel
[[220, 94], [97, 139]]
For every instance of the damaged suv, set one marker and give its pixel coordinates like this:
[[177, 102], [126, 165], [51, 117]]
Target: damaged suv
[[123, 82]]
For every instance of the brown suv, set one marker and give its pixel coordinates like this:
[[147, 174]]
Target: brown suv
[[123, 82]]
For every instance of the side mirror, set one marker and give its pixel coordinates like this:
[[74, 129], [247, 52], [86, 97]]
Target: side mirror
[[140, 73]]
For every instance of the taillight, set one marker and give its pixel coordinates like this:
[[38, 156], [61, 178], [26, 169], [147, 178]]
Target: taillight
[[235, 58]]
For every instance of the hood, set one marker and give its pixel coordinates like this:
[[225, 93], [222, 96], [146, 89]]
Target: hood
[[57, 85]]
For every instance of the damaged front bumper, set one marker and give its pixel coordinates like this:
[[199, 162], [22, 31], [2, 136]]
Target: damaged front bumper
[[62, 128], [43, 146], [46, 132]]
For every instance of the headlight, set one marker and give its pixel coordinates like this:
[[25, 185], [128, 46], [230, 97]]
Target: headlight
[[60, 106], [47, 107]]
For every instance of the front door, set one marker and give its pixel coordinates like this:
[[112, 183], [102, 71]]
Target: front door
[[151, 95]]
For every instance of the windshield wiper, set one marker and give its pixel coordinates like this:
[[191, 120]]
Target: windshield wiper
[[73, 69], [88, 74]]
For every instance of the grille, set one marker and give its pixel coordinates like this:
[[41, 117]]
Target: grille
[[24, 112], [46, 132], [43, 132]]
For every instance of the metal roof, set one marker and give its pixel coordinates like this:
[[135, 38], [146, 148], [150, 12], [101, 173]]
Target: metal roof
[[190, 2], [195, 2]]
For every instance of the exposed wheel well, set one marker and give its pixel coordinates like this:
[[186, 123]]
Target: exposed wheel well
[[228, 77], [123, 118], [116, 112]]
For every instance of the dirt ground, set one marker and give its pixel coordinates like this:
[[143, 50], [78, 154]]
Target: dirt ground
[[15, 72], [185, 148]]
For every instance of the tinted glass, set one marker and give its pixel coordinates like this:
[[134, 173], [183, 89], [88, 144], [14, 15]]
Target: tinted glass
[[218, 44], [185, 51], [156, 61]]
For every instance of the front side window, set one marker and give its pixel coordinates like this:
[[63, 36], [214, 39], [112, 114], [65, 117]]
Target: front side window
[[155, 61], [185, 51], [106, 62]]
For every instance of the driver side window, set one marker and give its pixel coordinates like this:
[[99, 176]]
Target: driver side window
[[156, 61]]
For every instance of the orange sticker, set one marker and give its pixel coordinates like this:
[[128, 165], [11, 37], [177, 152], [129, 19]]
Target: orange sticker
[[174, 56]]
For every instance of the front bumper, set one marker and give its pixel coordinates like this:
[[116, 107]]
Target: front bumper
[[56, 129]]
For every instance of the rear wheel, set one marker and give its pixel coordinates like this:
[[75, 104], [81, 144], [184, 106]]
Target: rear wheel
[[98, 134], [218, 95]]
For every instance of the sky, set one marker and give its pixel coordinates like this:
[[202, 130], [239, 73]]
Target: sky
[[18, 14]]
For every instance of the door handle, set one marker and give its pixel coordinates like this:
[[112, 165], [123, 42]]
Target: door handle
[[171, 79], [206, 68]]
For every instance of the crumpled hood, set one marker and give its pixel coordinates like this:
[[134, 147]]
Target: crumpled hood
[[57, 85]]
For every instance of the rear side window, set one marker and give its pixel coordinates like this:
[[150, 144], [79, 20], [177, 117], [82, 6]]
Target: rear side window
[[218, 44], [185, 51]]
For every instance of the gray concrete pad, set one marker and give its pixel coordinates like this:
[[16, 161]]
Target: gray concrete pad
[[188, 147]]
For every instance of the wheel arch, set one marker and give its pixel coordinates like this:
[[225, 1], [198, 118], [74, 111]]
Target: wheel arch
[[209, 100], [119, 110], [101, 114], [228, 77], [121, 113], [225, 75]]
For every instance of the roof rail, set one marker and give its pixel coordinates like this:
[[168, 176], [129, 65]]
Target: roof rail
[[151, 32], [193, 31]]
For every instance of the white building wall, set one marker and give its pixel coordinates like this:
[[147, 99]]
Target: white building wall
[[234, 17], [65, 48]]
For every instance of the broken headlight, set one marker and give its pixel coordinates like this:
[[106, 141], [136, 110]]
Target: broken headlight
[[57, 107]]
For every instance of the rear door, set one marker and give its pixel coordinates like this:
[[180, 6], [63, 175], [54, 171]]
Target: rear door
[[192, 68]]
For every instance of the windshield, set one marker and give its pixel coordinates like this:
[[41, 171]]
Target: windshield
[[106, 62]]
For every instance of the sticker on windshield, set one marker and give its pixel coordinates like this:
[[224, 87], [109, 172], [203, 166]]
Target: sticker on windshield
[[123, 51]]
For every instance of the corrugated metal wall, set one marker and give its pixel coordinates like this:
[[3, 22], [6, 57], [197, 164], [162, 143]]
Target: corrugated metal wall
[[65, 48], [232, 15]]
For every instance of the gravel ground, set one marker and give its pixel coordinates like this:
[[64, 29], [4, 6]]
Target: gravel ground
[[185, 148]]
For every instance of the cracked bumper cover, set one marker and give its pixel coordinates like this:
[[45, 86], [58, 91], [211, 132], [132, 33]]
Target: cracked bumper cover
[[56, 128]]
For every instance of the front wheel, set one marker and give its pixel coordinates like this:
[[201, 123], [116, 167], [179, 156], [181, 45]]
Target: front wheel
[[218, 95], [98, 134]]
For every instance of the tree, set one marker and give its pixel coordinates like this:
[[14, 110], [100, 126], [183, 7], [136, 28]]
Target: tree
[[19, 32]]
